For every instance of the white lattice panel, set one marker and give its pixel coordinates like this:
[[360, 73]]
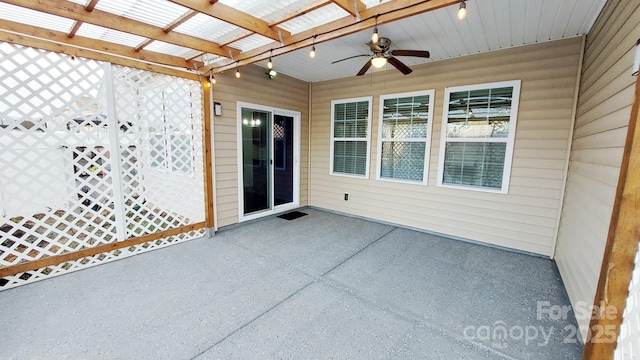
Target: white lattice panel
[[628, 347], [76, 158]]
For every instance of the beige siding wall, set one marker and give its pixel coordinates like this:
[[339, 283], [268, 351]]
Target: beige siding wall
[[604, 108], [253, 87], [526, 217]]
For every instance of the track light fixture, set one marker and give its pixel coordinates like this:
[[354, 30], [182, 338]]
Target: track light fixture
[[462, 11], [312, 53], [270, 63], [375, 36]]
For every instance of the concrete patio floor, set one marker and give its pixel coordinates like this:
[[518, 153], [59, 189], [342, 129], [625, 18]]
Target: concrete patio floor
[[323, 286]]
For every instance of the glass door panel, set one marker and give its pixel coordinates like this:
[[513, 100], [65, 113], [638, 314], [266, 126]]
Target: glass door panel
[[256, 160], [283, 159]]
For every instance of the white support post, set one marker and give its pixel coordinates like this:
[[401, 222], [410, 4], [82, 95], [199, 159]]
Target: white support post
[[114, 141]]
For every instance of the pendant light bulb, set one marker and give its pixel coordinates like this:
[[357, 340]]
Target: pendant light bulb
[[312, 53], [462, 11], [270, 64], [375, 36], [212, 80], [237, 74]]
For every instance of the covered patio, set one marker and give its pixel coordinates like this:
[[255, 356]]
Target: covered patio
[[324, 285]]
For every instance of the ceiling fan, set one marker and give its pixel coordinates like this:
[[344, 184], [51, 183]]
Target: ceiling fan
[[382, 54]]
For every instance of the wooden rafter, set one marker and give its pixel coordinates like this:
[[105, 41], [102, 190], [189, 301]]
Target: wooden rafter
[[76, 26], [186, 16], [74, 29], [91, 5], [386, 13], [353, 7], [91, 54], [104, 46], [233, 16], [77, 12]]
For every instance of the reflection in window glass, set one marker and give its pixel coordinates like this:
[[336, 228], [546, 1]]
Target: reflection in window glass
[[478, 135], [404, 134]]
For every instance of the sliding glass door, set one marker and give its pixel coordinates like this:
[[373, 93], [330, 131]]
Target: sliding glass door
[[269, 173], [256, 143]]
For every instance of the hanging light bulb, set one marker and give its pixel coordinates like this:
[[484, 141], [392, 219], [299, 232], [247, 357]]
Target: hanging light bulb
[[213, 79], [462, 11], [375, 36], [237, 73], [270, 63], [312, 53]]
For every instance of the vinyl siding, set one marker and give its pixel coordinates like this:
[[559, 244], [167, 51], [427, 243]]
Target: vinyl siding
[[603, 112], [525, 218], [253, 87]]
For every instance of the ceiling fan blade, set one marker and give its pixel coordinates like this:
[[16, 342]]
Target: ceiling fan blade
[[399, 65], [364, 69], [417, 53], [350, 57]]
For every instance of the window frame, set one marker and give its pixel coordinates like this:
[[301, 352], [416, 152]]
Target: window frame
[[333, 139], [427, 140], [509, 139]]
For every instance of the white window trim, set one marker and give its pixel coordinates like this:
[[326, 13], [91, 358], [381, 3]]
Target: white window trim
[[427, 151], [509, 140], [367, 138]]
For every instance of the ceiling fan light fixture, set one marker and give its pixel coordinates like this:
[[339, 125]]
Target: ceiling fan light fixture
[[379, 61], [462, 11]]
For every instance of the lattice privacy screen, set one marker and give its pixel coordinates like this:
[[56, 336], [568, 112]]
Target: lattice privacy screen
[[629, 340], [92, 154]]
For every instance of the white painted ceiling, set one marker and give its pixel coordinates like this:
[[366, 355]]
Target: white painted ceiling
[[489, 25]]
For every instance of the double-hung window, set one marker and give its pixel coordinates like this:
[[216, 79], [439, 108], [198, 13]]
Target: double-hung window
[[350, 124], [404, 136], [478, 133]]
